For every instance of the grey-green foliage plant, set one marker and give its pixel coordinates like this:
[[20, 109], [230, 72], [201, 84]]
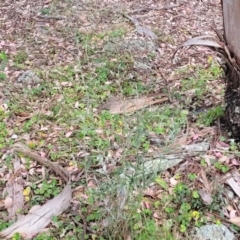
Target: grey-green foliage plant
[[3, 63]]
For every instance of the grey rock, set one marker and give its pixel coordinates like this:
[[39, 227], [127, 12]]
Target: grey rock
[[139, 49], [133, 45], [212, 232], [141, 66], [29, 78], [229, 193], [138, 45]]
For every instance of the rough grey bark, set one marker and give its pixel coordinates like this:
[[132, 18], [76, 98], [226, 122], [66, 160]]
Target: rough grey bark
[[231, 19]]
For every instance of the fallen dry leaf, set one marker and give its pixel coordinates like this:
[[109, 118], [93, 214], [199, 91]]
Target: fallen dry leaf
[[209, 159], [8, 202], [156, 216], [235, 162], [234, 185], [235, 220], [68, 134], [149, 192], [233, 213], [173, 182], [224, 159], [223, 144], [206, 197], [206, 184]]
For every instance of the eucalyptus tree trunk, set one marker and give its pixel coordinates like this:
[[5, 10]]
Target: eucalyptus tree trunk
[[231, 20]]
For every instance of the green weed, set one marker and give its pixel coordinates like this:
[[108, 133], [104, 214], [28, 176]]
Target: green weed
[[185, 206], [3, 64], [3, 129], [45, 11], [223, 168], [200, 83], [20, 57], [119, 32], [207, 118], [47, 190]]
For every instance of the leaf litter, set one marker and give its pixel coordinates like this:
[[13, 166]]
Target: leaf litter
[[52, 44]]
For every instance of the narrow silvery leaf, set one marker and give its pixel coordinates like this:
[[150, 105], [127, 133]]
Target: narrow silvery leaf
[[202, 41]]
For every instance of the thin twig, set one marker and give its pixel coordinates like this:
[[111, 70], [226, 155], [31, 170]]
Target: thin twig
[[84, 224], [51, 17], [133, 20], [166, 82], [147, 9], [43, 161], [80, 224]]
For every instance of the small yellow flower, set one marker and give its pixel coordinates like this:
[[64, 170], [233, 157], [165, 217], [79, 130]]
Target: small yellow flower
[[32, 144], [218, 222], [210, 59], [27, 191], [195, 215], [27, 198]]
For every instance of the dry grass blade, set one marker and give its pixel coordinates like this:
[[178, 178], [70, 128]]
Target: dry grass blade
[[147, 9]]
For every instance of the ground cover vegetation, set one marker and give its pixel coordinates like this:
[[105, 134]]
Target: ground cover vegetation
[[72, 74]]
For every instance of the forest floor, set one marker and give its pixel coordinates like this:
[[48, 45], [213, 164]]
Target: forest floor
[[95, 87]]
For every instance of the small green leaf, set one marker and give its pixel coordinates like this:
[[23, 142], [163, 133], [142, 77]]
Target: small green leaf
[[195, 194], [183, 228], [161, 182]]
